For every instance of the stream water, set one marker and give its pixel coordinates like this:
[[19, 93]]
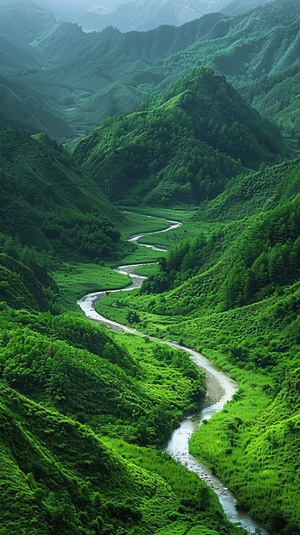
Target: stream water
[[219, 386]]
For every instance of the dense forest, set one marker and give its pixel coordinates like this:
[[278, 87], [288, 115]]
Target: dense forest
[[181, 146], [197, 124]]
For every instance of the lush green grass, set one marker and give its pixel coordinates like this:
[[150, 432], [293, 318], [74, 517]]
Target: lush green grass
[[139, 223], [255, 438], [145, 221], [76, 280], [147, 270], [187, 485], [142, 254]]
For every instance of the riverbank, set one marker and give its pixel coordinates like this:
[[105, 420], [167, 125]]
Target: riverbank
[[214, 391], [220, 390]]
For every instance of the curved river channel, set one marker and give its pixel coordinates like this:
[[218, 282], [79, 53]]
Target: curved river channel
[[219, 386]]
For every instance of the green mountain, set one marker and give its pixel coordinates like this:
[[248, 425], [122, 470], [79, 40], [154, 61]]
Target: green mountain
[[16, 59], [107, 73], [89, 76], [48, 203], [25, 283], [84, 411], [67, 388], [57, 475], [276, 96], [23, 108], [182, 146], [21, 19]]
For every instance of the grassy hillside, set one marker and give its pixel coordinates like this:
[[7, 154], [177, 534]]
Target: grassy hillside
[[182, 146], [66, 383], [25, 283], [50, 204], [232, 292], [56, 474]]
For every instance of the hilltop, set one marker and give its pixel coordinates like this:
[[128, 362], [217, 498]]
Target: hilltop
[[181, 146]]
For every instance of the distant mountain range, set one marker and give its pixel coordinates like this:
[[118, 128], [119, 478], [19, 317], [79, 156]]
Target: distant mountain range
[[21, 19], [81, 78], [143, 15]]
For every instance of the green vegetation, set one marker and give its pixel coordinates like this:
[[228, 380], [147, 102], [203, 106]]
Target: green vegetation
[[87, 77], [74, 367], [233, 294], [27, 110], [182, 146], [76, 280], [56, 474], [49, 204], [84, 411], [65, 382]]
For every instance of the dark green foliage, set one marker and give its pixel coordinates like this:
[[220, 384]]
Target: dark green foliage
[[239, 266], [67, 480], [26, 284], [48, 203], [182, 146], [76, 368], [27, 110], [234, 294], [58, 476]]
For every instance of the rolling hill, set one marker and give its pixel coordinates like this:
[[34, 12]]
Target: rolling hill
[[181, 146], [23, 108], [232, 292], [89, 76]]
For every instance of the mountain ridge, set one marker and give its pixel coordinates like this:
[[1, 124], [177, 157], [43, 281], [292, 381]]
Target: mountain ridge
[[141, 15], [166, 150], [245, 48]]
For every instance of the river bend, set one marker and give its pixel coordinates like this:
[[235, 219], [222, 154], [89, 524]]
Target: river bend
[[220, 389]]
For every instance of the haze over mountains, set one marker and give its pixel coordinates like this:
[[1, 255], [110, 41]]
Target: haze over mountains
[[142, 15], [88, 76]]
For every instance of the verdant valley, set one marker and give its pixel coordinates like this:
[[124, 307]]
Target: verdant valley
[[197, 124]]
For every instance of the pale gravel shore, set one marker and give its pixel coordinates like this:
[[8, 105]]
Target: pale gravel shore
[[214, 390]]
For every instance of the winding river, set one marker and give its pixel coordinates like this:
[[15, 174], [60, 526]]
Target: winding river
[[219, 386]]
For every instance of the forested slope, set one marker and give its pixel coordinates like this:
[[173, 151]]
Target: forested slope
[[27, 110], [89, 76], [64, 384], [183, 145], [49, 204], [233, 293]]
